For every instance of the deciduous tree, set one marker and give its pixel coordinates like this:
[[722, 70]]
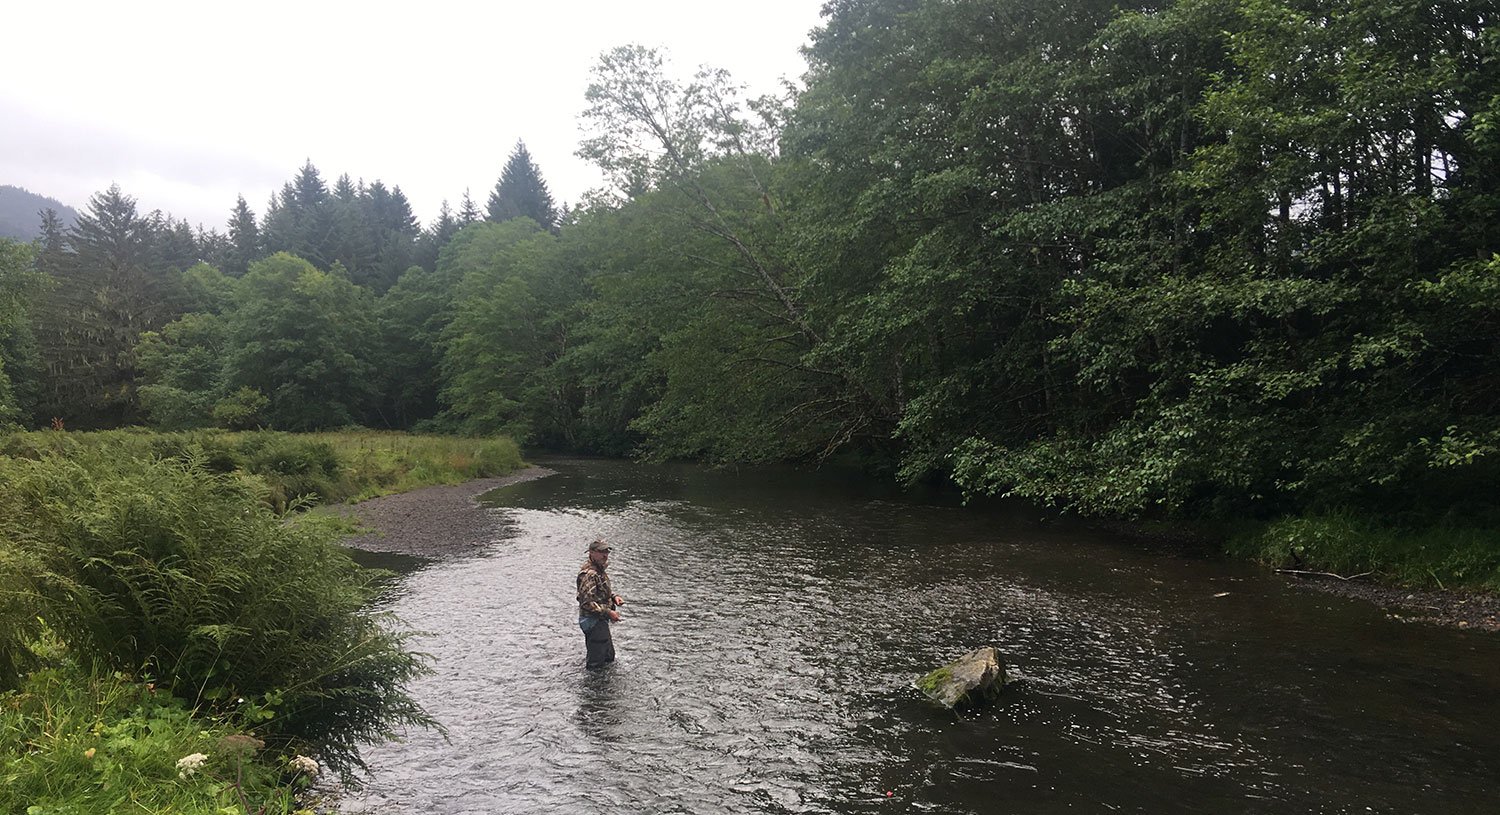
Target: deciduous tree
[[302, 337]]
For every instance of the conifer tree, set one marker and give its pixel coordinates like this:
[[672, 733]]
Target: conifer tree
[[392, 231], [310, 189], [432, 240], [278, 228], [213, 247], [521, 192], [344, 190], [302, 223], [174, 246], [52, 244], [350, 240], [468, 213], [107, 293], [446, 225], [244, 240]]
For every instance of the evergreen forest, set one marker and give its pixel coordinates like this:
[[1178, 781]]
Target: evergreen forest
[[1224, 261]]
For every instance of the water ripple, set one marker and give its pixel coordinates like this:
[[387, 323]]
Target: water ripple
[[774, 626]]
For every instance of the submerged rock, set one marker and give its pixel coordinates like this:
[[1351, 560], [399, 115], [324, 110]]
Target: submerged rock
[[973, 680]]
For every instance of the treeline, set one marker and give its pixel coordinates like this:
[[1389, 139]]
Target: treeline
[[95, 313], [1216, 257]]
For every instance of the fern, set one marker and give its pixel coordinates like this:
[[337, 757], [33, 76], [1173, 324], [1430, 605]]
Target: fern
[[167, 568]]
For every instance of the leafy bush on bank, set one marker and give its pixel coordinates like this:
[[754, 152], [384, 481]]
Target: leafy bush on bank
[[75, 742], [166, 568]]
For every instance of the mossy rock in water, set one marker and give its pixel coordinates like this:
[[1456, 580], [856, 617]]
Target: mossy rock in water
[[971, 681]]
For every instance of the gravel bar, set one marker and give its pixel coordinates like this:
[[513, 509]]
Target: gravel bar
[[432, 522], [1458, 609]]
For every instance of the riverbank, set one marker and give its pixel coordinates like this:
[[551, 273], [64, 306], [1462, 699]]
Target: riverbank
[[225, 647], [295, 468], [1458, 609], [433, 522], [1465, 608], [239, 687]]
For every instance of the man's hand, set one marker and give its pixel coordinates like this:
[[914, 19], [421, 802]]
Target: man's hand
[[619, 601], [614, 616]]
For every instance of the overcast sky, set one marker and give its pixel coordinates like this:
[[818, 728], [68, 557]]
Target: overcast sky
[[188, 104]]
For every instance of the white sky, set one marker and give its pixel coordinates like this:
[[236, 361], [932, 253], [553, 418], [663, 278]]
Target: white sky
[[188, 104]]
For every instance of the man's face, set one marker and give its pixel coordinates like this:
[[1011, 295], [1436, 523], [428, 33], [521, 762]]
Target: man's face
[[599, 558]]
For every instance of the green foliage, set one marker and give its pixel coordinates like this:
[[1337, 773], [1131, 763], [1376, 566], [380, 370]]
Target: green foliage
[[1439, 556], [20, 285], [710, 267], [292, 466], [207, 290], [244, 409], [1186, 271], [183, 364], [165, 567], [510, 322], [302, 337], [119, 279], [412, 316], [376, 463], [147, 549], [293, 470], [74, 741], [368, 230]]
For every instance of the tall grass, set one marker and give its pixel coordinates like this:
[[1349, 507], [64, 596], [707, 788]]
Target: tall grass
[[379, 463], [324, 467], [1436, 556]]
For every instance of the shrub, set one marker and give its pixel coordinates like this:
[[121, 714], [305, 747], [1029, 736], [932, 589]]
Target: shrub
[[162, 566], [293, 466], [72, 741], [242, 410]]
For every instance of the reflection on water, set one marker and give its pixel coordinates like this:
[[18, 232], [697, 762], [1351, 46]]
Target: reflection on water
[[387, 561], [775, 622]]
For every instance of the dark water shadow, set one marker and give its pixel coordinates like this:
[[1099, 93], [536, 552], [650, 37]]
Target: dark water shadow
[[396, 562]]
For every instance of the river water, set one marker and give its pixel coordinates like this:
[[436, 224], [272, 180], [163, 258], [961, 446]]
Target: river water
[[775, 621]]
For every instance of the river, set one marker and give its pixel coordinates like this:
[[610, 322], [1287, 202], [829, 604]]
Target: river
[[775, 621]]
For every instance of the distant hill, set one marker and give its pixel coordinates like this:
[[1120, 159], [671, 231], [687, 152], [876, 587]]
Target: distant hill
[[19, 210]]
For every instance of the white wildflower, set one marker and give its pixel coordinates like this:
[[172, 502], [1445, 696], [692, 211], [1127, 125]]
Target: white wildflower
[[187, 765], [304, 765]]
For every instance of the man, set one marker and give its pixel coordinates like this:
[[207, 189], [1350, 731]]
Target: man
[[596, 606]]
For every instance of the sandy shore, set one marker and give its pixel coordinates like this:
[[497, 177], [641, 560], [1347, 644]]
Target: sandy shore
[[431, 522]]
